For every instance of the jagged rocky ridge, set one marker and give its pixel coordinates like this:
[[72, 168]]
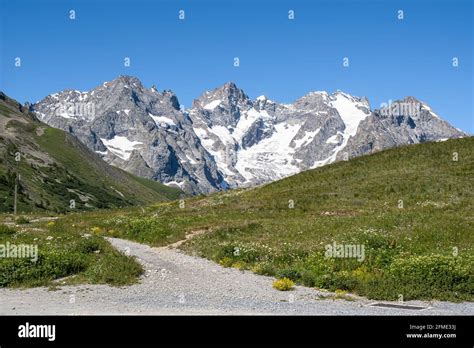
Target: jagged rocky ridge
[[140, 130], [228, 140]]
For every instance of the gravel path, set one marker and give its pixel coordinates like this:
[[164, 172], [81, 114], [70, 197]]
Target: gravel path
[[176, 283]]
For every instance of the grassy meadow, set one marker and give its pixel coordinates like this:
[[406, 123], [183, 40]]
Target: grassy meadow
[[410, 208]]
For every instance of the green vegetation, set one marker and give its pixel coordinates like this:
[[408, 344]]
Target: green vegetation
[[21, 220], [80, 257], [410, 208], [6, 231]]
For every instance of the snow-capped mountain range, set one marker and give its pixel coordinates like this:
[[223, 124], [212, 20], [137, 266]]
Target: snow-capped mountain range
[[228, 140]]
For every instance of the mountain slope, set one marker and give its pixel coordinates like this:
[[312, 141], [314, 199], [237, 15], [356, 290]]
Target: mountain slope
[[56, 168]]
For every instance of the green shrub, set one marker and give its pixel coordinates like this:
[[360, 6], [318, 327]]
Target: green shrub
[[49, 266], [429, 276], [89, 245], [64, 253], [289, 273], [114, 268]]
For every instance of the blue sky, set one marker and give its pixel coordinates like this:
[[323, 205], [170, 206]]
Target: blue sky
[[281, 58]]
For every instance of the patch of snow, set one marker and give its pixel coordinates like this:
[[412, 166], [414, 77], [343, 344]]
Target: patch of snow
[[202, 134], [333, 139], [40, 114], [306, 138], [192, 161], [271, 157], [120, 193], [212, 105], [223, 134], [322, 94], [162, 119], [427, 108], [246, 120], [179, 184], [65, 114], [120, 146], [127, 111], [208, 143], [351, 114]]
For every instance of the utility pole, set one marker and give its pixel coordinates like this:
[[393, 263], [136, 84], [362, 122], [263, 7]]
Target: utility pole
[[17, 180]]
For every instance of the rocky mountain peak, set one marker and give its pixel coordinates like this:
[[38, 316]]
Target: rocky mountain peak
[[411, 99], [228, 140], [352, 98], [126, 80], [228, 94], [230, 88]]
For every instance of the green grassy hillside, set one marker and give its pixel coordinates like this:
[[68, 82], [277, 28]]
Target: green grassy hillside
[[411, 208], [55, 168]]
